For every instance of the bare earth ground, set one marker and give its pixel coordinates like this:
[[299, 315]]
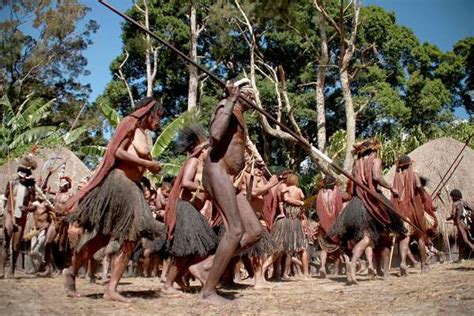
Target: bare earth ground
[[446, 289]]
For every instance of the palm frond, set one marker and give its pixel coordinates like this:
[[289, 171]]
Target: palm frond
[[111, 114], [7, 109], [32, 135], [93, 150], [72, 136], [169, 132]]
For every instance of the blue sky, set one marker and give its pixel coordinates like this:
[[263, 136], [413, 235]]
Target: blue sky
[[440, 22]]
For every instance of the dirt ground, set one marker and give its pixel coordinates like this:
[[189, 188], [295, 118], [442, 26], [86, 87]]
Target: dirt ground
[[447, 289]]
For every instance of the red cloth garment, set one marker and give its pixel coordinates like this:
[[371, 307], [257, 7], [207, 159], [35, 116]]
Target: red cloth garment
[[170, 209], [270, 206], [124, 130], [328, 211], [409, 203], [363, 172]]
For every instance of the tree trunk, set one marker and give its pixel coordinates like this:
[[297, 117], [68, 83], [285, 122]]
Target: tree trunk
[[350, 117], [320, 81], [193, 74], [148, 53]]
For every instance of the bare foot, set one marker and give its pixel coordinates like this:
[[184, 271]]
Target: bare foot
[[170, 290], [215, 299], [115, 296], [322, 273], [69, 284], [425, 269], [199, 273], [403, 270], [104, 282], [371, 273], [351, 280]]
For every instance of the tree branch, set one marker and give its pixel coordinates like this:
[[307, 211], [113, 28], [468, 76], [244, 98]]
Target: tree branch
[[121, 76]]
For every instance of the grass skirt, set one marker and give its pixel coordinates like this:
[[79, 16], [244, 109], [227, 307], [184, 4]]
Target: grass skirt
[[288, 235], [354, 220], [117, 208], [264, 246], [192, 234]]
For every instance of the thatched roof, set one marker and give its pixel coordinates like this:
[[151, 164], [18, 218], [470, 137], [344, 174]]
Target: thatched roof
[[432, 160], [49, 158]]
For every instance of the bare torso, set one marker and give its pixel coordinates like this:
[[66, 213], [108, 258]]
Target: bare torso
[[139, 146]]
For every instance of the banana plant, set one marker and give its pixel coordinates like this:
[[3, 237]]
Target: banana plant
[[21, 130]]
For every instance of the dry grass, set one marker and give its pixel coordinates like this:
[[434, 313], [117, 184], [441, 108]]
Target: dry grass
[[448, 288]]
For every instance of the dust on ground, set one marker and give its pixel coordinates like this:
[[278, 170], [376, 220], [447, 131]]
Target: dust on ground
[[447, 288]]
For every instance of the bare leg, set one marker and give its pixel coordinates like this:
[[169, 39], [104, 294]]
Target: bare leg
[[386, 262], [164, 272], [422, 249], [105, 268], [242, 228], [120, 264], [288, 261], [356, 254], [270, 260], [78, 258], [176, 270], [16, 241], [411, 257], [146, 263], [403, 246], [305, 263], [369, 254], [323, 257]]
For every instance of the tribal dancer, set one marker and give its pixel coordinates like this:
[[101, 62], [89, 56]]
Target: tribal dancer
[[190, 237], [329, 203], [259, 190], [20, 194], [463, 217], [112, 205], [222, 167], [365, 219], [410, 205]]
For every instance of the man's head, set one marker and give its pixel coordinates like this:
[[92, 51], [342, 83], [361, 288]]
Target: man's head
[[366, 147], [456, 195], [329, 182], [26, 167], [403, 162], [151, 120], [247, 91], [190, 137]]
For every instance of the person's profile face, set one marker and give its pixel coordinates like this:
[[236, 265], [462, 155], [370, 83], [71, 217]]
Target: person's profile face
[[154, 121]]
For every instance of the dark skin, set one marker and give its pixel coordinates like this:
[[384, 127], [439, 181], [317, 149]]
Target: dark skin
[[404, 243], [133, 159], [14, 227], [224, 162], [364, 243], [190, 184]]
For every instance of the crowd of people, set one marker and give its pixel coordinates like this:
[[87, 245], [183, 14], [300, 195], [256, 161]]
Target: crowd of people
[[223, 218]]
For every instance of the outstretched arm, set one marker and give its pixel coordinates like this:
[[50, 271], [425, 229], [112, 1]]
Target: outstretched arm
[[257, 191]]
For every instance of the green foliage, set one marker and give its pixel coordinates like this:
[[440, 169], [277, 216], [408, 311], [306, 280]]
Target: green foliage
[[168, 134], [22, 131], [110, 114]]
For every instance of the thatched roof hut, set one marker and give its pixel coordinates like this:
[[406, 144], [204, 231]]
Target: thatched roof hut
[[432, 160], [46, 158]]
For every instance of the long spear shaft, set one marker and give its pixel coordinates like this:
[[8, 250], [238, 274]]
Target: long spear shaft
[[448, 178], [435, 191], [300, 139]]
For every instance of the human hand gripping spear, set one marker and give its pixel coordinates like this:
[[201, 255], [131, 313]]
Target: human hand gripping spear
[[298, 138]]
